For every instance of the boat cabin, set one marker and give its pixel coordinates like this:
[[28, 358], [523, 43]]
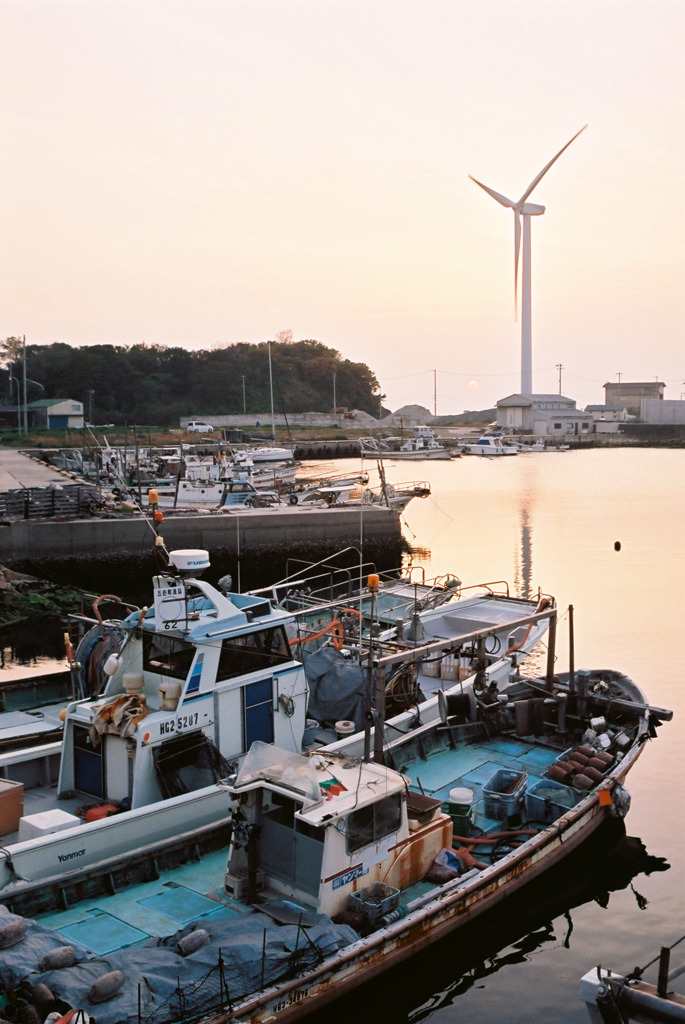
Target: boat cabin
[[317, 829], [202, 676]]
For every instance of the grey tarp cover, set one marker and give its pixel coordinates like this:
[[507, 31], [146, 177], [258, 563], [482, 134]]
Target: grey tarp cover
[[157, 967], [18, 961], [337, 688]]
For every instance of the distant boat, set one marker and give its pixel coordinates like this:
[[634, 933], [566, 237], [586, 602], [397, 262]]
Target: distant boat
[[422, 445], [489, 445]]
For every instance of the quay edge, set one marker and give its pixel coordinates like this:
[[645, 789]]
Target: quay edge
[[29, 545]]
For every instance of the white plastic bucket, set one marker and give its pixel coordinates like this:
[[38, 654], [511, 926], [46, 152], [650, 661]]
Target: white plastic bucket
[[461, 800]]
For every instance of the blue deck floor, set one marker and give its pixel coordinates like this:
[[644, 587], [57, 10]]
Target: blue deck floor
[[192, 892], [474, 766]]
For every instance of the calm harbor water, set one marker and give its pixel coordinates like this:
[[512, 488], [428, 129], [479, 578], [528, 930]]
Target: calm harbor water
[[550, 521]]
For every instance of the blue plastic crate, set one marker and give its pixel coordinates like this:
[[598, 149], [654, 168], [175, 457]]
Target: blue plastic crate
[[548, 800], [504, 794]]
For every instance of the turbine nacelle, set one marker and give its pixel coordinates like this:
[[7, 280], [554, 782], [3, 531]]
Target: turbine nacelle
[[530, 209]]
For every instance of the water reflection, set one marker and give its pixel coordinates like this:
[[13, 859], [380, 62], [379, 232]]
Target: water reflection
[[537, 918], [523, 572]]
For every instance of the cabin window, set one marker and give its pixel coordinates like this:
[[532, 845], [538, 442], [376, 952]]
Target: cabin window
[[369, 824], [252, 652], [167, 655]]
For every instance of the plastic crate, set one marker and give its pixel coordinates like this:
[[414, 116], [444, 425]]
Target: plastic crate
[[548, 800], [504, 794], [375, 901]]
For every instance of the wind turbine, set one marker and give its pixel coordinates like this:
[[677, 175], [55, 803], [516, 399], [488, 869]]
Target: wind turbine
[[525, 210]]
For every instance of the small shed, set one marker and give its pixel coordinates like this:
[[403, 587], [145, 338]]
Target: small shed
[[55, 413]]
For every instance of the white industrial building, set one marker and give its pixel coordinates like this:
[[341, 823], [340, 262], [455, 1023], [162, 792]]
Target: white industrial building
[[543, 415]]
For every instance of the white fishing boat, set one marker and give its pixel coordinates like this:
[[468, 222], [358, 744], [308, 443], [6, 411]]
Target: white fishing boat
[[535, 446], [423, 445], [328, 490], [489, 445], [339, 867], [642, 995], [170, 696], [266, 453], [214, 483], [396, 495]]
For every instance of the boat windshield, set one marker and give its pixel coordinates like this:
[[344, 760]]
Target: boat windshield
[[267, 763]]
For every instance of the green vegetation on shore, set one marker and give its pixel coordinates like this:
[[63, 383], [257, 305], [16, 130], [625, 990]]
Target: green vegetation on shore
[[152, 384]]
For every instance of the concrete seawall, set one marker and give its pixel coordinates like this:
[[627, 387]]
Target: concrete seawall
[[28, 544]]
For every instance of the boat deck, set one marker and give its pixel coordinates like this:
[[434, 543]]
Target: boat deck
[[191, 892], [194, 892], [474, 765]]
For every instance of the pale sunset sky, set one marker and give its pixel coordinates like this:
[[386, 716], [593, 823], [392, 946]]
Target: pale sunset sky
[[202, 172]]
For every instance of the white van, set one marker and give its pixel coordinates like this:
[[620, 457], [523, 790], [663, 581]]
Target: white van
[[199, 427]]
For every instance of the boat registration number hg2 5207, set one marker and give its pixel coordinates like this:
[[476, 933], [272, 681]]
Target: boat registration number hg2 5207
[[179, 724]]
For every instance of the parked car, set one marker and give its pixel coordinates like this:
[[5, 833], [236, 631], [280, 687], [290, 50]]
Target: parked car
[[199, 427]]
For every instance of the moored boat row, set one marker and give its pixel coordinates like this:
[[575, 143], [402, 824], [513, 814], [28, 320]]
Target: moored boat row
[[385, 770]]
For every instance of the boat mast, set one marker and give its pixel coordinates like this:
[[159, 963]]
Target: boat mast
[[271, 388]]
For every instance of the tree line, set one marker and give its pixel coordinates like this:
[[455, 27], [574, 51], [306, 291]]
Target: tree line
[[153, 384]]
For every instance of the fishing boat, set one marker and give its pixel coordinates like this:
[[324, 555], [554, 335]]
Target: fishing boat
[[645, 994], [423, 445], [328, 490], [396, 496], [31, 701], [489, 445], [169, 697], [340, 865]]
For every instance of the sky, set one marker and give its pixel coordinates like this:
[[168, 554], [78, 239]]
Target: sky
[[199, 173]]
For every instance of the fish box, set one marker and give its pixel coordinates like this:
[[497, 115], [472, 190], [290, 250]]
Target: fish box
[[504, 794], [375, 901], [548, 800]]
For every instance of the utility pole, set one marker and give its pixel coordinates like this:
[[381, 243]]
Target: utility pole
[[334, 399], [435, 394], [559, 368], [26, 414], [244, 402]]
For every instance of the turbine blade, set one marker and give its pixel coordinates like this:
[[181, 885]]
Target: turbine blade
[[517, 249], [536, 181], [495, 195]]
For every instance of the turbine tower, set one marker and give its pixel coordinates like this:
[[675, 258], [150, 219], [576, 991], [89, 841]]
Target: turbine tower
[[525, 210]]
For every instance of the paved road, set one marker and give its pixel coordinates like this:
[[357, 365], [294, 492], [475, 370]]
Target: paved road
[[19, 470]]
